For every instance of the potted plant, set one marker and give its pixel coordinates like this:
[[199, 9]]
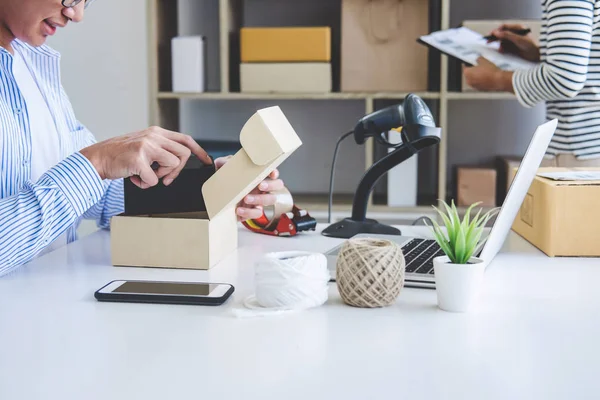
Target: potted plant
[[458, 274]]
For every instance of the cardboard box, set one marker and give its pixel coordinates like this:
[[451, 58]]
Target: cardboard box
[[202, 239], [561, 218], [403, 179], [476, 184], [285, 77], [183, 195], [285, 44], [188, 63], [506, 169], [484, 27]]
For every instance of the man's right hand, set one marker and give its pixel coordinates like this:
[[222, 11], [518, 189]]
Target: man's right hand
[[132, 156], [523, 46]]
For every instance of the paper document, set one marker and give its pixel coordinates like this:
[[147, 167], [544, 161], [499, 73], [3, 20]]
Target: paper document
[[572, 175], [467, 45]]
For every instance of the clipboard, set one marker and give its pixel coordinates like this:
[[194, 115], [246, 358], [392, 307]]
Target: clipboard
[[467, 45], [432, 47]]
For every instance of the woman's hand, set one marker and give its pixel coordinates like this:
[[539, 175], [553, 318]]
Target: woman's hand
[[522, 46], [486, 77], [252, 205]]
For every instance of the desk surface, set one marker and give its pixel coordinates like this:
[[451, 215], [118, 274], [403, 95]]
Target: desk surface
[[533, 336]]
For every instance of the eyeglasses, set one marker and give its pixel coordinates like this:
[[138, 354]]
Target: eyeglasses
[[73, 3]]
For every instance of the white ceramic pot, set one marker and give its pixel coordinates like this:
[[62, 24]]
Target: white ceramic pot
[[458, 285]]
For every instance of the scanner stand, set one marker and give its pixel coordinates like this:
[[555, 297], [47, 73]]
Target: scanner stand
[[415, 138]]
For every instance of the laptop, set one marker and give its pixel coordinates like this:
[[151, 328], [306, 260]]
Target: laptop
[[420, 252]]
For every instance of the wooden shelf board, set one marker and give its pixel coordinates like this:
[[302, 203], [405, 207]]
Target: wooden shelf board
[[480, 96], [291, 96], [343, 203], [312, 202]]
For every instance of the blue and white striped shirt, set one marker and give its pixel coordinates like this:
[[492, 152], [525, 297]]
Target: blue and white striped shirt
[[568, 77], [33, 214]]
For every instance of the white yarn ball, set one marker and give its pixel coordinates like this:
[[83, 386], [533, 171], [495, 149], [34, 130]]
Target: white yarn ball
[[293, 280]]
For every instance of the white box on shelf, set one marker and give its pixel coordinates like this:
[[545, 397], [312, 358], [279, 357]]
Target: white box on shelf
[[402, 179], [187, 57], [290, 77]]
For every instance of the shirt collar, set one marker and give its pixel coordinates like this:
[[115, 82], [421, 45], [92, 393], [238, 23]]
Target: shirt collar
[[43, 50]]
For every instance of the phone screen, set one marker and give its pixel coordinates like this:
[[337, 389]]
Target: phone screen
[[189, 289]]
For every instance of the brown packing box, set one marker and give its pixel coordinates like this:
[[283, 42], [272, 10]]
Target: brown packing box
[[506, 167], [484, 27], [561, 218], [290, 77], [476, 184], [201, 240], [285, 44]]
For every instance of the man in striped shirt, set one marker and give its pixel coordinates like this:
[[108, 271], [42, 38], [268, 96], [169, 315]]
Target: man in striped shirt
[[567, 77], [52, 171]]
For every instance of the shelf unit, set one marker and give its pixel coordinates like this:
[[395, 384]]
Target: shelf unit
[[162, 109]]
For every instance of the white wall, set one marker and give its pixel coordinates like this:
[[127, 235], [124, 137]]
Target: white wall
[[104, 67]]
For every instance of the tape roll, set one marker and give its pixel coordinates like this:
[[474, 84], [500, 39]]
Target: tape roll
[[284, 203]]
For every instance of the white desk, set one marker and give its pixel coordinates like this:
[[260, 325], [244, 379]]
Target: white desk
[[535, 335]]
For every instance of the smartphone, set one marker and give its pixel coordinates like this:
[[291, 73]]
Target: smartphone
[[193, 293]]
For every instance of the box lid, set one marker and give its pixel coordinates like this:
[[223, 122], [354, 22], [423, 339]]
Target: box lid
[[569, 176], [267, 139]]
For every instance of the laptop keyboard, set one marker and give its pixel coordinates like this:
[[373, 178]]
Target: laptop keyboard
[[419, 255]]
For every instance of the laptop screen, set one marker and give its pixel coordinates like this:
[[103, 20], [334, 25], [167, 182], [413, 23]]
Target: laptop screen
[[518, 189]]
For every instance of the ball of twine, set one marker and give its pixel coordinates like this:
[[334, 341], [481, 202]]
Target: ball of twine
[[370, 272]]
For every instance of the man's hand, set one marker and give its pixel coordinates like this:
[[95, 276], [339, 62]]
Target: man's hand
[[252, 205], [485, 76], [523, 46], [133, 155]]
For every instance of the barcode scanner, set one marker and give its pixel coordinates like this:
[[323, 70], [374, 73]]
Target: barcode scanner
[[418, 131], [412, 112]]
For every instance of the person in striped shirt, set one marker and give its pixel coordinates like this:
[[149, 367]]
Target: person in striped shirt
[[53, 172], [566, 78]]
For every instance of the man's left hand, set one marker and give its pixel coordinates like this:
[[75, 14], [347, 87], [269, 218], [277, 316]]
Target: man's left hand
[[487, 77], [252, 205]]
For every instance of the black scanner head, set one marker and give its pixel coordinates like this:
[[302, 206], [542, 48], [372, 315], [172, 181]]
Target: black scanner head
[[411, 112]]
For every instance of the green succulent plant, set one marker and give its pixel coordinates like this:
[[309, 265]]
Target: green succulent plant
[[463, 237]]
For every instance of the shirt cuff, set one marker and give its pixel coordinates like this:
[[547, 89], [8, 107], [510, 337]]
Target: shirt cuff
[[78, 180]]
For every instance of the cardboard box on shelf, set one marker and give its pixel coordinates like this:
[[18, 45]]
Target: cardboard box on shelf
[[506, 167], [285, 77], [199, 240], [285, 44], [561, 218], [476, 184], [188, 63], [484, 27]]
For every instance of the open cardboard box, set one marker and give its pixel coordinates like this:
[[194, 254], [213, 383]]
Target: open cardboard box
[[200, 240], [561, 217]]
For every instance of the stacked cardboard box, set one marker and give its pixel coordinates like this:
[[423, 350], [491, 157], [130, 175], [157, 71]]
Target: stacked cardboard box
[[286, 59], [476, 184], [506, 169]]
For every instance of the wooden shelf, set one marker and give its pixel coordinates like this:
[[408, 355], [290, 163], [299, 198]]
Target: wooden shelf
[[165, 106], [290, 96], [479, 96], [343, 203]]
